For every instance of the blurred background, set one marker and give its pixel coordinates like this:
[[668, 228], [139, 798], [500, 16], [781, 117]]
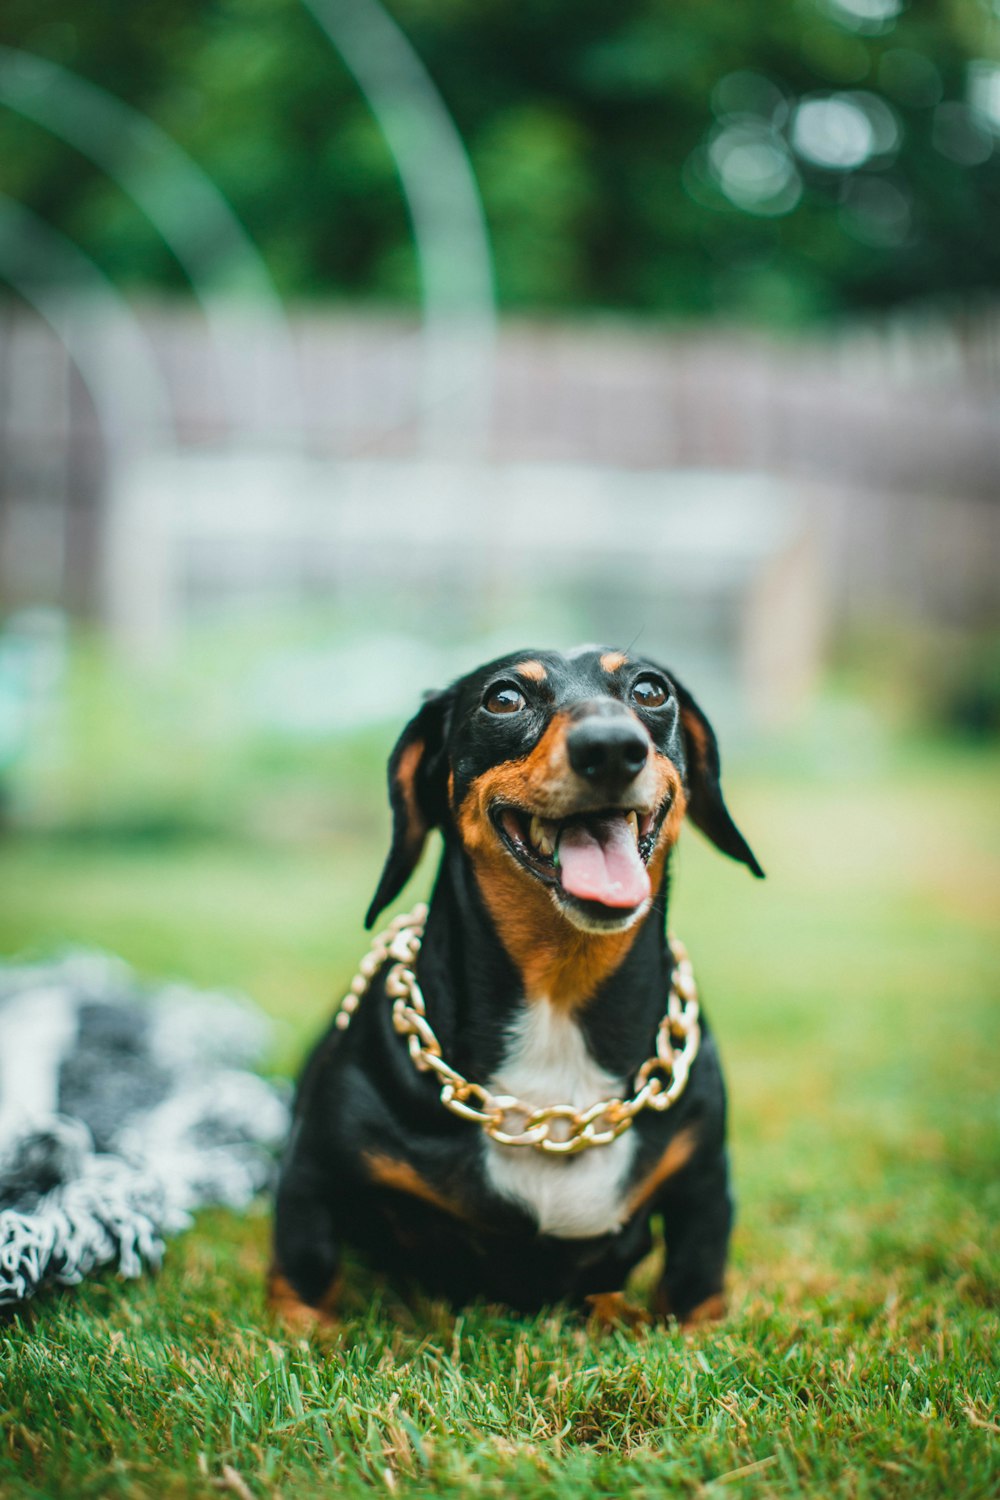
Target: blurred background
[[345, 343]]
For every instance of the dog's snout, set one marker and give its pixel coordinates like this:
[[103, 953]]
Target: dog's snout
[[607, 750]]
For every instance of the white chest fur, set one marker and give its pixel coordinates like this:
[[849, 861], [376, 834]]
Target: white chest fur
[[547, 1062]]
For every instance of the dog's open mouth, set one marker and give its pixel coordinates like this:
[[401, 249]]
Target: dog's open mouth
[[596, 858]]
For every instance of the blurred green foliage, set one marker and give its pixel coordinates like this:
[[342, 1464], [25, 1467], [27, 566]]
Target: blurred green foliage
[[940, 679], [123, 755], [644, 155]]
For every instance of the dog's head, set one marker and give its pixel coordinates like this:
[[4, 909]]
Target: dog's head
[[565, 779]]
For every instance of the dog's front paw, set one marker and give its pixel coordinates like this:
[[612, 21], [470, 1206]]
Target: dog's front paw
[[613, 1310], [297, 1318], [711, 1310]]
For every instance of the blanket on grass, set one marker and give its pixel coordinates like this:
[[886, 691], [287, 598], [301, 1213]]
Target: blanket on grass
[[122, 1108]]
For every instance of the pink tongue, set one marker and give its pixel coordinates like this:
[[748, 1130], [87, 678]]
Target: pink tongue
[[599, 861]]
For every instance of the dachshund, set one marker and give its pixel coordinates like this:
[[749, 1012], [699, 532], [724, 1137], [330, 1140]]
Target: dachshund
[[521, 1078]]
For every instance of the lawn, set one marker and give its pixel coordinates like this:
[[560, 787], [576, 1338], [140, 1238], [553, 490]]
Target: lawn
[[855, 996]]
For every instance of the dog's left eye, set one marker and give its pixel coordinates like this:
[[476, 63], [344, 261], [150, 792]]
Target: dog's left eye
[[649, 692], [504, 699]]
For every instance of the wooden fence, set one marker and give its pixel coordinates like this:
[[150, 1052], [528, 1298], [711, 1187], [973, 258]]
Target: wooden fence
[[892, 431]]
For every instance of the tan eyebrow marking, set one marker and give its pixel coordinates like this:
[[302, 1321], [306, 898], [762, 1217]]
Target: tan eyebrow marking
[[612, 660], [532, 669]]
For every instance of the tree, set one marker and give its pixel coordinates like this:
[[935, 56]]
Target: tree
[[783, 159]]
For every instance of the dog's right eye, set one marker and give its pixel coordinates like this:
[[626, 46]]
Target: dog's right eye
[[504, 699]]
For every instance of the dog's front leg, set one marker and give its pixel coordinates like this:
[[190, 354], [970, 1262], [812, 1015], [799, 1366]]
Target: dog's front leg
[[303, 1283], [697, 1210]]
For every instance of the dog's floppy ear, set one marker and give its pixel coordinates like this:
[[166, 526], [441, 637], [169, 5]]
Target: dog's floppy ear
[[706, 806], [418, 795]]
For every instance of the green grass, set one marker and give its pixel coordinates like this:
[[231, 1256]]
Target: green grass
[[855, 997]]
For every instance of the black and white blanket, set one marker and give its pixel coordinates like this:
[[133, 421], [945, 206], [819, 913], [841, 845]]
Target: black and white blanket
[[122, 1108]]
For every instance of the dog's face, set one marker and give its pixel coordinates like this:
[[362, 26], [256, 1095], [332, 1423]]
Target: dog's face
[[565, 779]]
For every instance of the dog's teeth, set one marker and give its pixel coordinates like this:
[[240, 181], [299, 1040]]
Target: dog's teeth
[[539, 832], [632, 819]]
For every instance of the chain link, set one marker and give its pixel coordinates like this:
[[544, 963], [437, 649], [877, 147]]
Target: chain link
[[557, 1129]]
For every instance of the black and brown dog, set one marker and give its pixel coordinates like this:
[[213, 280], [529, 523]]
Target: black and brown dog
[[559, 784]]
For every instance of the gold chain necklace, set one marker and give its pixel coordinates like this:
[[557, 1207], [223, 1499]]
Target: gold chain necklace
[[559, 1129]]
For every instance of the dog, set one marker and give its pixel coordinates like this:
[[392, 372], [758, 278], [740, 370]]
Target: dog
[[519, 1081]]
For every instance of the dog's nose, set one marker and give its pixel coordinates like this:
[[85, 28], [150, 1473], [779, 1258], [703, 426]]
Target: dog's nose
[[608, 750]]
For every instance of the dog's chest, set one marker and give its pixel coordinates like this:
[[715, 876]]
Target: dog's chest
[[547, 1062]]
